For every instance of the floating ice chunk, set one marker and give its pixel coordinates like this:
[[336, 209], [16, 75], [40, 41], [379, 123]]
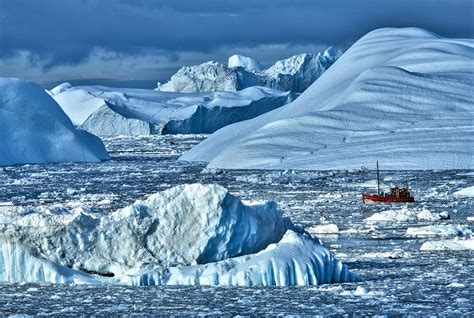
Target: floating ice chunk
[[395, 254], [404, 214], [448, 245], [323, 229], [362, 292], [466, 192], [439, 230]]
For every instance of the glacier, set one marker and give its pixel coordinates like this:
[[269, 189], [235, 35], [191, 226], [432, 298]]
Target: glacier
[[187, 235], [106, 111], [400, 96], [293, 74], [34, 129]]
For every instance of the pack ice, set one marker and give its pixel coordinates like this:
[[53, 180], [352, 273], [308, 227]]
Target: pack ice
[[293, 74], [107, 111], [400, 96], [187, 235], [34, 129]]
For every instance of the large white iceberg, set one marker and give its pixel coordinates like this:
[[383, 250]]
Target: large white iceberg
[[107, 111], [34, 129], [189, 234], [293, 74], [400, 96]]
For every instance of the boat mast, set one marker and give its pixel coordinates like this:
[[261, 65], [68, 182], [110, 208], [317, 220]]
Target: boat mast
[[378, 179]]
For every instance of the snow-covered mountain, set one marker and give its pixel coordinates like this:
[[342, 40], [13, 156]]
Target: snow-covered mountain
[[191, 234], [400, 96], [293, 74], [107, 111], [34, 129]]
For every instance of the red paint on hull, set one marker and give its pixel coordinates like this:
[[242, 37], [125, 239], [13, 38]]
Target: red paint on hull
[[376, 198]]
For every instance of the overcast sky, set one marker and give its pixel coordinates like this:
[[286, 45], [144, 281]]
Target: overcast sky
[[139, 42]]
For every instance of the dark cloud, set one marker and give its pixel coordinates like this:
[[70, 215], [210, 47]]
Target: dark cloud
[[65, 32]]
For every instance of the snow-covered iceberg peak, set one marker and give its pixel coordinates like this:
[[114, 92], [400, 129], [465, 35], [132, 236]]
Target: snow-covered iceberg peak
[[34, 129], [189, 234], [206, 77], [294, 74], [247, 63]]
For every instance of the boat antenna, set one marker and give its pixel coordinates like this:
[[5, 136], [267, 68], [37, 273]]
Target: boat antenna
[[378, 179]]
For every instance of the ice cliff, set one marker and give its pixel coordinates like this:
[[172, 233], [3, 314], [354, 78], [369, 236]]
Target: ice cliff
[[34, 129], [293, 74], [107, 111], [400, 96], [186, 235]]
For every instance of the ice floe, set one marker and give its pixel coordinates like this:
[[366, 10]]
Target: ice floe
[[404, 214], [439, 230], [465, 192], [323, 229], [448, 245]]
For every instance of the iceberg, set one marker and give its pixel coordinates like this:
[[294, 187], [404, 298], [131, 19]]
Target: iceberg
[[403, 215], [34, 129], [106, 111], [400, 96], [186, 235], [293, 74]]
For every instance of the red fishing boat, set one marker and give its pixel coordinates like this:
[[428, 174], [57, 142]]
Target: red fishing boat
[[396, 194]]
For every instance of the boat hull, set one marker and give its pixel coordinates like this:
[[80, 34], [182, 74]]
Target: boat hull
[[373, 198]]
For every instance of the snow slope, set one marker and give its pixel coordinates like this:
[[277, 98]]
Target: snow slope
[[400, 96], [293, 74], [108, 111], [189, 234], [34, 129]]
